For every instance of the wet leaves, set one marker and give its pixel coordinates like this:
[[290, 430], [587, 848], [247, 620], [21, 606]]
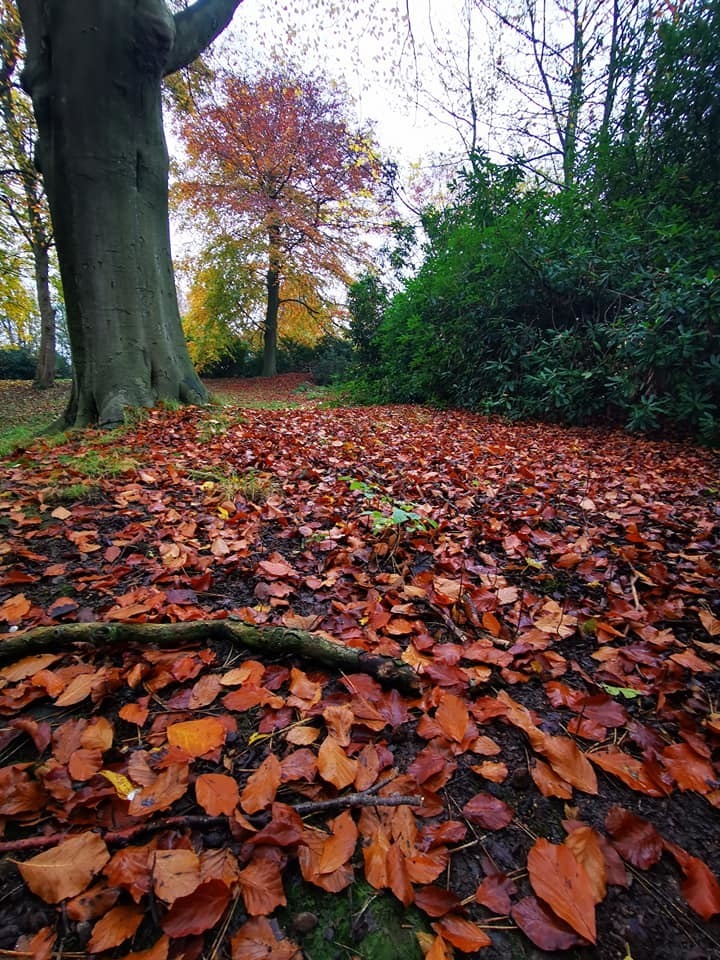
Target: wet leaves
[[561, 615]]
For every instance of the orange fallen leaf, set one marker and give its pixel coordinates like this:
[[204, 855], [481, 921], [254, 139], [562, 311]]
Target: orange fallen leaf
[[197, 737], [334, 766], [217, 793], [175, 873], [261, 787], [261, 886], [67, 869], [462, 933], [563, 884], [117, 926]]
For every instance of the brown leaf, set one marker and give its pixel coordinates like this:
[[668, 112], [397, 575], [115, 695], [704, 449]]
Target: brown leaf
[[700, 886], [334, 766], [341, 843], [117, 926], [159, 951], [261, 787], [585, 846], [461, 933], [197, 912], [169, 786], [65, 870], [453, 717], [255, 940], [175, 873], [261, 886], [630, 770], [563, 884], [435, 901], [217, 793]]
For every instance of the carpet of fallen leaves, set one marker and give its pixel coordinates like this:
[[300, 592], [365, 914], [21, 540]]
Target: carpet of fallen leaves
[[20, 403], [557, 592]]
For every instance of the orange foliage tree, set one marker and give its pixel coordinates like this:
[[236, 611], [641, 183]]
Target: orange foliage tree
[[276, 164]]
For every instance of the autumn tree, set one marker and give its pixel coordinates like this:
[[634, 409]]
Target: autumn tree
[[21, 189], [276, 164], [94, 71]]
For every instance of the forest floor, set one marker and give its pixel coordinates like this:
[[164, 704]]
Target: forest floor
[[550, 788]]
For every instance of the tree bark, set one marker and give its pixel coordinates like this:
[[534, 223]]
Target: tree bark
[[94, 71], [271, 641], [45, 371], [270, 330]]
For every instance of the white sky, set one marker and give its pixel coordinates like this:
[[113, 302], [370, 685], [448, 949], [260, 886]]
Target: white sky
[[370, 46]]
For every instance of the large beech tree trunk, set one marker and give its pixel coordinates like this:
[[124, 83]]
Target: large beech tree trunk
[[94, 70]]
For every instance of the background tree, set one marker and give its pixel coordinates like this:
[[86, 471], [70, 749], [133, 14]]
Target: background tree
[[94, 71], [275, 163], [21, 189]]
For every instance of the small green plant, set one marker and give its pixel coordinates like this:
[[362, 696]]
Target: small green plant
[[391, 515]]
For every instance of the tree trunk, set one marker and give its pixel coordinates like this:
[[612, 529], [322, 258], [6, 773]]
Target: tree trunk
[[94, 71], [270, 331], [45, 371]]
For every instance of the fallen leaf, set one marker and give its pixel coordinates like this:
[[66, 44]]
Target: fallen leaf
[[261, 886], [117, 926], [255, 940], [199, 911], [67, 869], [175, 873], [197, 737], [217, 793], [540, 925], [461, 933], [488, 812], [561, 882], [334, 766], [636, 840], [261, 787]]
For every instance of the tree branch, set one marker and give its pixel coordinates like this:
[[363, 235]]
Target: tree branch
[[196, 28], [271, 641]]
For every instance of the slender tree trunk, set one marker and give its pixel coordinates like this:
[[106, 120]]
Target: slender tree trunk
[[45, 371], [270, 331], [94, 69]]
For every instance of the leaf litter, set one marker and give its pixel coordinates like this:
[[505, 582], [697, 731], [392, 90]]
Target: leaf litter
[[557, 592]]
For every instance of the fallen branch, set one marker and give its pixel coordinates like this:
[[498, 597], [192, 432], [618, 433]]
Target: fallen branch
[[272, 642], [364, 799]]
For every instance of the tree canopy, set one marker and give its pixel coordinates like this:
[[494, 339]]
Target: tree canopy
[[277, 168]]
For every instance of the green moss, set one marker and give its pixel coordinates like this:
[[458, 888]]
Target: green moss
[[357, 922]]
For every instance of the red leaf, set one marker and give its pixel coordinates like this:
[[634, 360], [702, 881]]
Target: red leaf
[[540, 925], [435, 901], [700, 886], [198, 912], [636, 840], [487, 811]]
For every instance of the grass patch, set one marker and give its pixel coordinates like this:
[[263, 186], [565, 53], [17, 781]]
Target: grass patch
[[100, 464], [73, 492]]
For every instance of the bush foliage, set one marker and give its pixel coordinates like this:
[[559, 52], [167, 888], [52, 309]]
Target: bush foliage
[[599, 301]]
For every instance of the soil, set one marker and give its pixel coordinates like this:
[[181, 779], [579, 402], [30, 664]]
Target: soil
[[649, 919]]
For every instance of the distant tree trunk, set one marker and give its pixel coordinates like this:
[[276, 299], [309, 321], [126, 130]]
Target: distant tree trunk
[[45, 371], [270, 330], [94, 70]]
